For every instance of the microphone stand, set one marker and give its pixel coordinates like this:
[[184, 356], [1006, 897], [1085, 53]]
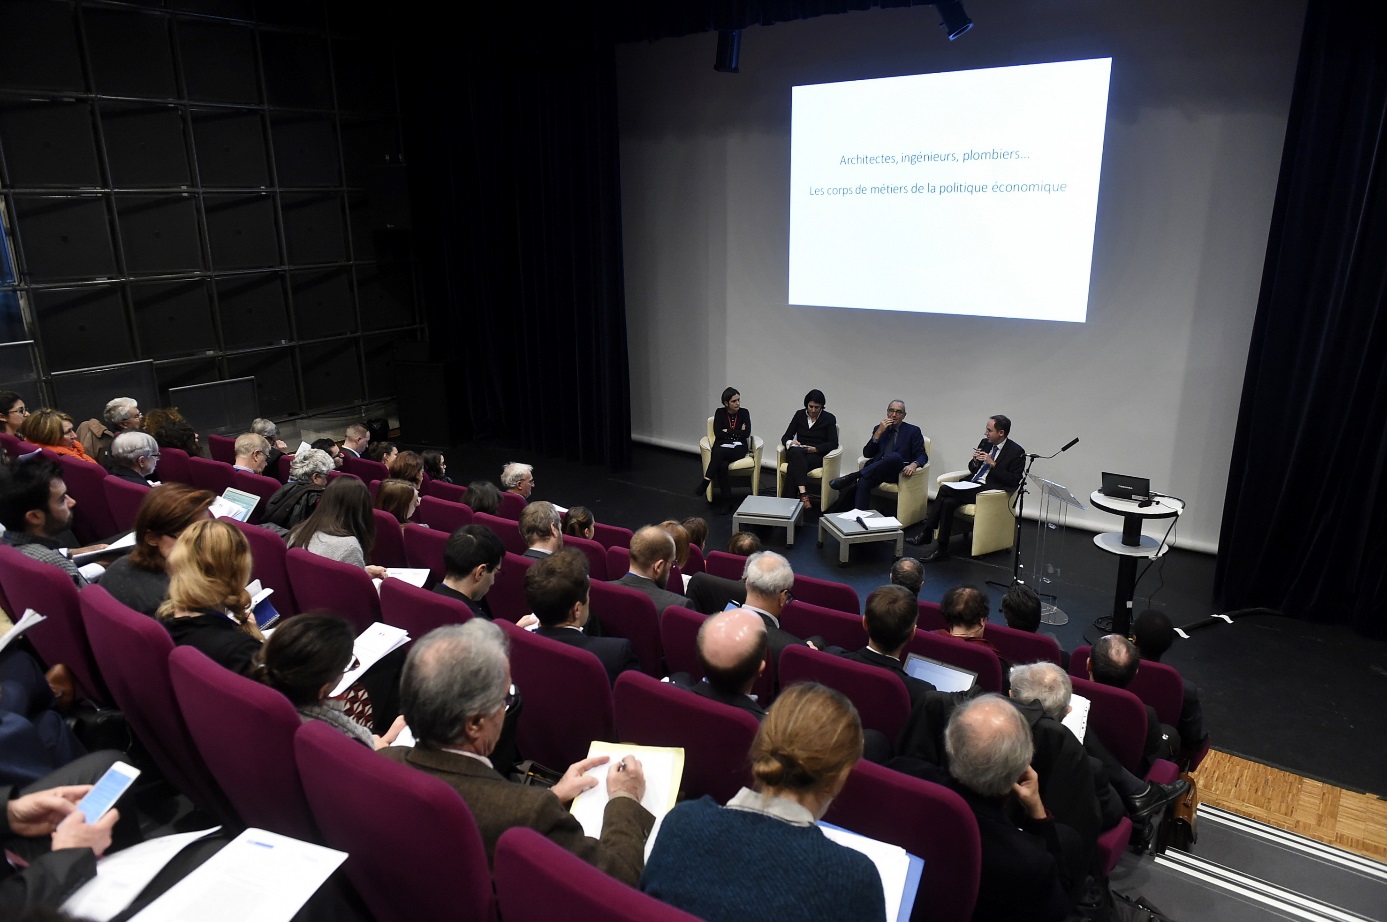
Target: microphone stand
[[1017, 568]]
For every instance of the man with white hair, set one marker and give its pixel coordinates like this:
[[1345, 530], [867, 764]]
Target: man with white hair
[[120, 415], [252, 453], [278, 448], [518, 478], [296, 500], [134, 456], [769, 578]]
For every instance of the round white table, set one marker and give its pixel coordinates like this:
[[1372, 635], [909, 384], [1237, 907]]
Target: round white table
[[1130, 545]]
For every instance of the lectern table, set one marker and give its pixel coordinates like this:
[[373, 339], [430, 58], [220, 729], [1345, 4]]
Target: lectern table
[[1130, 546]]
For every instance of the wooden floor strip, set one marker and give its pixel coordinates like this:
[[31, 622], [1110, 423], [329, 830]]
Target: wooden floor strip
[[1318, 811]]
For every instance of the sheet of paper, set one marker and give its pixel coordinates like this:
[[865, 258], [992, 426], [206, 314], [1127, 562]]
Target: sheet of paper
[[302, 447], [892, 862], [92, 572], [258, 593], [1077, 718], [852, 515], [881, 522], [259, 875], [664, 769], [406, 737], [415, 576], [114, 547], [371, 644], [30, 619], [122, 876], [223, 508], [958, 484]]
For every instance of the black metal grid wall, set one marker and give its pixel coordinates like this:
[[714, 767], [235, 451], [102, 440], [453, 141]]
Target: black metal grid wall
[[214, 185]]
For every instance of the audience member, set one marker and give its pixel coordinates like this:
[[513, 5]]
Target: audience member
[[120, 415], [579, 523], [482, 496], [744, 544], [304, 660], [436, 466], [140, 579], [171, 430], [965, 609], [540, 528], [652, 555], [768, 578], [252, 453], [1153, 634], [471, 560], [732, 649], [399, 498], [342, 527], [334, 451], [278, 449], [208, 607], [1021, 609], [296, 500], [518, 478], [910, 573], [731, 442], [383, 452], [557, 591], [697, 527], [355, 440], [890, 620], [408, 466], [34, 738], [51, 429], [13, 412], [35, 509], [1031, 864], [133, 456], [1114, 661], [680, 534], [812, 433], [763, 849], [455, 692]]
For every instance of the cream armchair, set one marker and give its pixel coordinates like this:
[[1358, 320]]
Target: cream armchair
[[990, 517], [751, 464], [911, 493], [829, 467]]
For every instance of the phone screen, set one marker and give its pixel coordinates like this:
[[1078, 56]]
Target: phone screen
[[107, 791]]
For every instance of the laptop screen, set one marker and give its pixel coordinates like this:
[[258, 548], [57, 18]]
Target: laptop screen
[[234, 504], [942, 676]]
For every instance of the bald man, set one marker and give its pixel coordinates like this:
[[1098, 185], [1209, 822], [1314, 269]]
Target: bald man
[[732, 648], [652, 556]]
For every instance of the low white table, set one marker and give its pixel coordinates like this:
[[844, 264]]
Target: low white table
[[849, 533], [772, 511]]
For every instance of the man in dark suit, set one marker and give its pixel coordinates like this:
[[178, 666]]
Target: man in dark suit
[[895, 449], [812, 433], [542, 529], [732, 648], [558, 591], [998, 463], [652, 555], [768, 582], [471, 559], [355, 440], [892, 612], [455, 691]]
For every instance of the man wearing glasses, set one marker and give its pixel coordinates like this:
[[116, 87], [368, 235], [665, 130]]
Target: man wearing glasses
[[252, 453], [895, 449], [769, 579], [121, 415]]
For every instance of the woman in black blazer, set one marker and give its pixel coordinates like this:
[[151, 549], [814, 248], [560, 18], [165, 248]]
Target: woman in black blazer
[[731, 442]]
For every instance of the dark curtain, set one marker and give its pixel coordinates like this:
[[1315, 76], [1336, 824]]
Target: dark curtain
[[511, 143], [1303, 518]]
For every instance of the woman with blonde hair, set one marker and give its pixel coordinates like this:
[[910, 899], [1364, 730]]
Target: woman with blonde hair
[[763, 849], [208, 606], [54, 430]]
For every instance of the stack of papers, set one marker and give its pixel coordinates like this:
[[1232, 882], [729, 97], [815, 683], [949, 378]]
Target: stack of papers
[[30, 619], [115, 546], [1077, 718], [900, 871], [373, 644], [869, 519], [664, 770]]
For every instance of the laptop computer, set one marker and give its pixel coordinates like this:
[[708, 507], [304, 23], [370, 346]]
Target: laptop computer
[[234, 504], [943, 676], [1123, 486]]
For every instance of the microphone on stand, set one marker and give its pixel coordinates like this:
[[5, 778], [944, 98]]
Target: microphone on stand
[[1072, 443]]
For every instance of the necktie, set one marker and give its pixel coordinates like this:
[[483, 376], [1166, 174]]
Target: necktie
[[981, 475]]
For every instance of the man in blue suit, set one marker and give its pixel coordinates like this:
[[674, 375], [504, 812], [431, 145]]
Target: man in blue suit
[[896, 448]]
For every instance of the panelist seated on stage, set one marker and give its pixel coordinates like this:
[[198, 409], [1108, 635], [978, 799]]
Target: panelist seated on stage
[[811, 435], [896, 449], [998, 463]]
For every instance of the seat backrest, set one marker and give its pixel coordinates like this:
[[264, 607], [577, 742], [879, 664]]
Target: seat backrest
[[135, 650], [1119, 719], [62, 638], [629, 613], [721, 563], [618, 560], [445, 515], [173, 465], [1078, 661], [417, 610], [211, 475], [365, 468], [837, 627], [957, 652], [596, 555], [123, 498], [424, 548], [86, 483], [452, 492], [222, 448], [715, 737], [267, 564], [880, 697], [506, 598], [1161, 687], [551, 677], [695, 562], [827, 593], [262, 486], [374, 489], [931, 616], [327, 585], [512, 504], [15, 446], [374, 810], [282, 465], [611, 535], [679, 628], [244, 731], [333, 475], [538, 881], [927, 820], [389, 547], [508, 530], [1019, 647]]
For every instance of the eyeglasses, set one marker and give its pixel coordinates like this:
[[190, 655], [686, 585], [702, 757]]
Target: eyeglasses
[[22, 411], [511, 696], [353, 665], [789, 596]]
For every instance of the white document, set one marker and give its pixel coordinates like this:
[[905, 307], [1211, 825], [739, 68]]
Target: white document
[[259, 875], [561, 510], [257, 592], [30, 619], [1077, 718], [116, 545], [123, 876], [959, 484], [372, 644], [852, 515], [892, 862], [303, 446], [91, 572], [405, 738], [415, 576], [881, 523], [223, 508], [664, 770]]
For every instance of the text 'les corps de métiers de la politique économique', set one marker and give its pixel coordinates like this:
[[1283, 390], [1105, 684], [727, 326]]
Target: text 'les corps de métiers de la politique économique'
[[929, 188]]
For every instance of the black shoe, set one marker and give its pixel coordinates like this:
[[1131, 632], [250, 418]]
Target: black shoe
[[937, 556], [701, 488], [842, 483], [1155, 797], [923, 538]]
